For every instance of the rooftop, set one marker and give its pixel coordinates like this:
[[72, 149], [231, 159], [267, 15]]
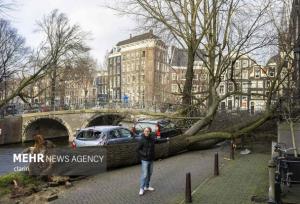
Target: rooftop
[[137, 38]]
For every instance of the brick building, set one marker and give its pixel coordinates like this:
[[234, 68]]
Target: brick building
[[114, 75], [102, 86], [178, 66], [141, 76]]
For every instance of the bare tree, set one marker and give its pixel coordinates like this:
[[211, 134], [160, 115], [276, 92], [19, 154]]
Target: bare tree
[[63, 41], [13, 53], [80, 75], [224, 31], [183, 20], [283, 43], [84, 74]]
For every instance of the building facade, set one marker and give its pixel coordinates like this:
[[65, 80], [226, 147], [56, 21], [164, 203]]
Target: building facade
[[141, 76], [178, 66], [114, 75], [102, 86]]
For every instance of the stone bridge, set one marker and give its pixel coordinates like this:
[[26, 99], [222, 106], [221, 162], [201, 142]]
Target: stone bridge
[[58, 123]]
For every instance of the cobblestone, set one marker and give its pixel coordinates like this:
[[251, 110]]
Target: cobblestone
[[122, 185]]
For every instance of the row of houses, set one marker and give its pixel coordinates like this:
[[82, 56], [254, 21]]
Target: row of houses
[[142, 70]]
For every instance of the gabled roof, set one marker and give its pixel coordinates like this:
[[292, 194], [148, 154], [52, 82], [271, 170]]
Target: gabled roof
[[137, 38], [273, 59]]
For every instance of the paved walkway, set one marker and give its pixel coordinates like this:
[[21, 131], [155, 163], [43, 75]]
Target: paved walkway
[[122, 185], [239, 180]]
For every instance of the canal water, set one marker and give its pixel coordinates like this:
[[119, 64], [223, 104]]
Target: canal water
[[6, 153]]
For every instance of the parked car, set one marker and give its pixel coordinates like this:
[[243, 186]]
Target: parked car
[[161, 128], [103, 135]]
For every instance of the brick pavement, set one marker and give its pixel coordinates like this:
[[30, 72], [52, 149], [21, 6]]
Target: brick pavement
[[122, 185]]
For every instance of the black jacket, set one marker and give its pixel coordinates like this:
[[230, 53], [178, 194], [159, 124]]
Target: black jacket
[[146, 150]]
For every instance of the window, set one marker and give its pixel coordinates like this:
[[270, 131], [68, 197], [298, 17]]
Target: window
[[245, 63], [203, 76], [143, 53], [118, 69], [245, 75], [124, 133], [271, 72], [245, 87], [222, 89], [196, 76], [89, 135], [174, 88], [257, 73], [174, 76], [230, 87], [195, 88], [114, 134], [260, 84], [238, 86]]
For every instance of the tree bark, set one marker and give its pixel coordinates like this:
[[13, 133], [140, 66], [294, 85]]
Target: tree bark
[[53, 89], [230, 134], [211, 112], [188, 85]]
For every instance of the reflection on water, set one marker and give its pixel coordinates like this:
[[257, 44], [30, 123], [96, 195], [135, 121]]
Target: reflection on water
[[7, 151]]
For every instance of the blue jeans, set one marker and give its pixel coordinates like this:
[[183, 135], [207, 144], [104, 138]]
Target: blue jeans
[[147, 169]]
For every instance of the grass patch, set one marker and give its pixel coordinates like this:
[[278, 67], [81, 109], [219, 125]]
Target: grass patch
[[23, 180]]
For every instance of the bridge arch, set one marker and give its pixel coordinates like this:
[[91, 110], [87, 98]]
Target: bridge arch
[[103, 119], [49, 127]]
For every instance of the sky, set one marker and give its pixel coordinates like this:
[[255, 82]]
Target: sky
[[105, 26]]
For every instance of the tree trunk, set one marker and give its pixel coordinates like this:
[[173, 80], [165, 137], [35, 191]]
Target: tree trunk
[[53, 89], [230, 134], [188, 85], [85, 98], [62, 95], [212, 109]]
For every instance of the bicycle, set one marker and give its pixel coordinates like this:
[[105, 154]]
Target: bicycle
[[286, 164]]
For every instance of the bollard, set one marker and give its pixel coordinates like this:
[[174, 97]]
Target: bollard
[[277, 189], [188, 189], [272, 167], [232, 150], [216, 166]]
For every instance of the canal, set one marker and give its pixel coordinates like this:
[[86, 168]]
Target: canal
[[6, 153]]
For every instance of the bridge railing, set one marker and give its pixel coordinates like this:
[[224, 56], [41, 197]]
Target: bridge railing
[[17, 109]]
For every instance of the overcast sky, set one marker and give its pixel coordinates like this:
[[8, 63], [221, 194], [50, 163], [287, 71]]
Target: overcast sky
[[106, 27]]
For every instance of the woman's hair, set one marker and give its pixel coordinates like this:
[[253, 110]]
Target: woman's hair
[[39, 142], [149, 128]]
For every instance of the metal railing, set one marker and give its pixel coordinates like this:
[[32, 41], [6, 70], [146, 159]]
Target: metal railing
[[18, 109]]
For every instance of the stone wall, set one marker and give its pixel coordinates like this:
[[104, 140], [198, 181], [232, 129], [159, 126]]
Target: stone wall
[[11, 130]]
